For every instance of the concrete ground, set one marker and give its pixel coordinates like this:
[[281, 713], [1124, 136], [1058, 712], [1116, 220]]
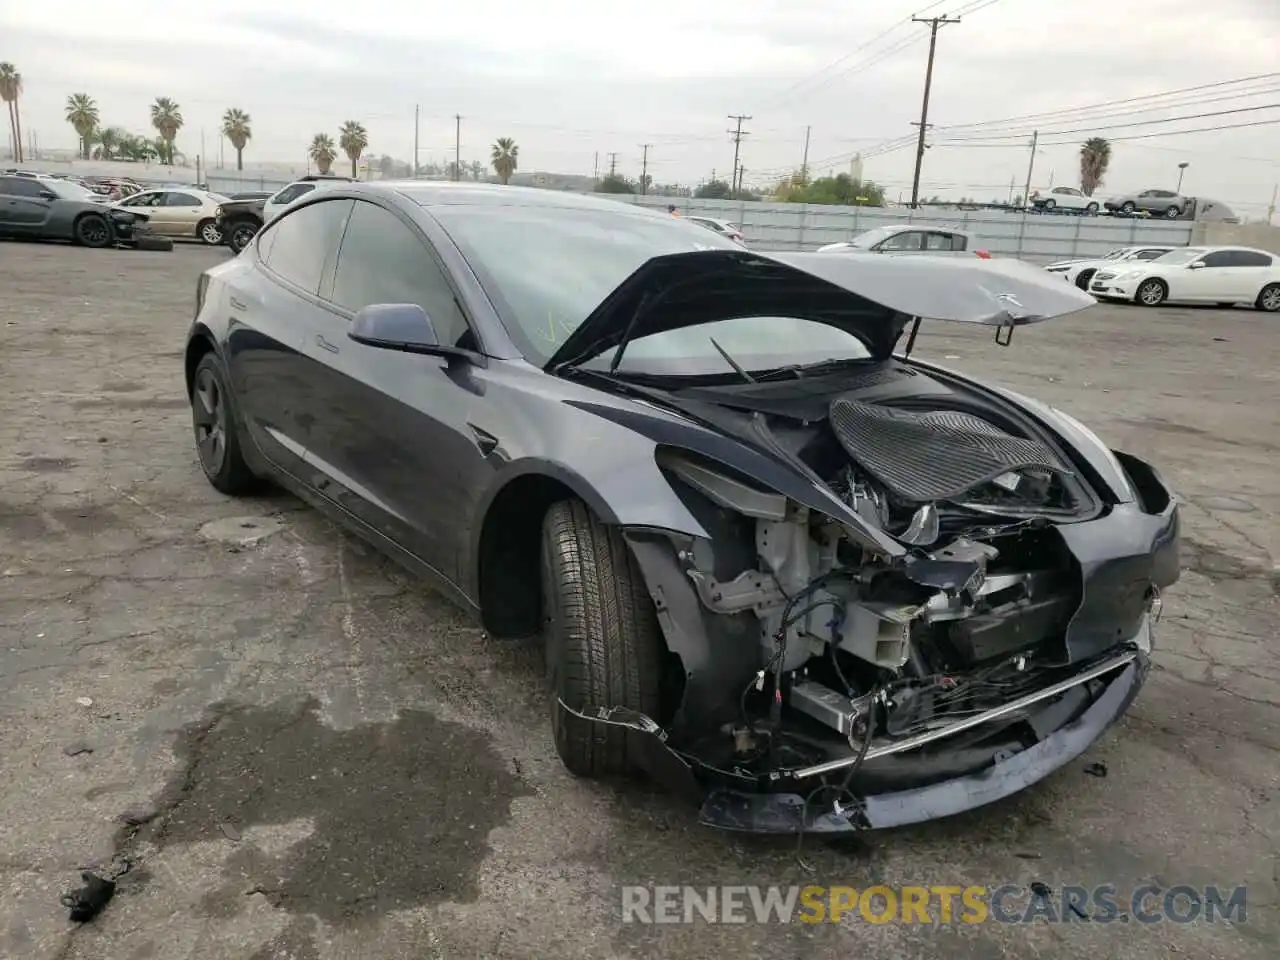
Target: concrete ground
[[320, 759]]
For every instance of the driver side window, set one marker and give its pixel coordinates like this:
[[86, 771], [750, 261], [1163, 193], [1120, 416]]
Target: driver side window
[[1221, 258], [907, 240]]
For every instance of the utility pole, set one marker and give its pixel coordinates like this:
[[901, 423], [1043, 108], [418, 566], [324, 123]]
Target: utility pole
[[613, 165], [202, 155], [644, 168], [1271, 210], [737, 133], [1031, 165], [804, 164], [934, 24], [415, 141], [457, 146], [595, 168]]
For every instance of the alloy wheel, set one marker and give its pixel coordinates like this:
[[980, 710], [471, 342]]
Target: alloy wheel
[[210, 234], [94, 231], [1270, 299], [209, 416], [1151, 293]]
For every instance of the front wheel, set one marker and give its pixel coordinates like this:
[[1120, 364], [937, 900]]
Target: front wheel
[[1269, 299], [1049, 205], [214, 424], [209, 233], [241, 234], [1128, 207], [1173, 213], [1091, 209], [1082, 281], [92, 230], [604, 647], [1152, 293]]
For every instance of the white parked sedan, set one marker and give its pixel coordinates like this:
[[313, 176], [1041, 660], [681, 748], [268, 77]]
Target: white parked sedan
[[1065, 198], [1222, 275], [1080, 272], [911, 238]]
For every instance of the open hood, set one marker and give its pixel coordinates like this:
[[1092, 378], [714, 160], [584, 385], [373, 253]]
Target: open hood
[[870, 296]]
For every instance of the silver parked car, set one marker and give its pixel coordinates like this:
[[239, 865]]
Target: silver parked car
[[1161, 203], [911, 238]]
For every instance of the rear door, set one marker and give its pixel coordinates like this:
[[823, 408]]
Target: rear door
[[391, 441], [1247, 273], [182, 211], [23, 211], [274, 311]]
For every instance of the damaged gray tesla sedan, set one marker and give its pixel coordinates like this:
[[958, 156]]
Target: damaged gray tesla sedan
[[778, 564]]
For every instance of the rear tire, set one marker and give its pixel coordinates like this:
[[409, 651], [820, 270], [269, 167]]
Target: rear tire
[[1269, 299], [1151, 293], [217, 437], [604, 647], [92, 230], [1173, 213], [1128, 207], [209, 233]]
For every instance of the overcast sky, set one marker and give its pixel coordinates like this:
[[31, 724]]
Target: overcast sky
[[572, 78]]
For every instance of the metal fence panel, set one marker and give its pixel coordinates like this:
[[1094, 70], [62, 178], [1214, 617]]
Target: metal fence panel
[[1039, 238]]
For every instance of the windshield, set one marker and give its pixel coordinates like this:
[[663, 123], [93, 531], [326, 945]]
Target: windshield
[[547, 269], [1115, 254], [864, 241], [1179, 256], [68, 190]]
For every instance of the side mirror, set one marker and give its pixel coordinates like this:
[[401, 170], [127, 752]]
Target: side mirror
[[1195, 266], [397, 326], [48, 195]]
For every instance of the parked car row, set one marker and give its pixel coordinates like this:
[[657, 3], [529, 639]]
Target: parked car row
[[1162, 203], [1152, 275]]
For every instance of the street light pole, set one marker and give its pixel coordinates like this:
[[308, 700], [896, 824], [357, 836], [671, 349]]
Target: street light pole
[[1182, 168]]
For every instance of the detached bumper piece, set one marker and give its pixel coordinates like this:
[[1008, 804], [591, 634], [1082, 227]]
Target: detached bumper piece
[[800, 800]]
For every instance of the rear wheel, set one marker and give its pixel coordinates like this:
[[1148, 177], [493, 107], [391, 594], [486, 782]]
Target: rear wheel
[[216, 435], [92, 230], [209, 233], [1128, 207], [1151, 293], [1173, 213], [604, 647], [1269, 298]]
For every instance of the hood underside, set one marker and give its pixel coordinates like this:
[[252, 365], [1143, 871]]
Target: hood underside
[[871, 297]]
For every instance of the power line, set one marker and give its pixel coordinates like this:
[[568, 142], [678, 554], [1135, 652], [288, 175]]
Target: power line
[[1121, 126], [737, 133], [934, 24], [1055, 114], [1124, 139]]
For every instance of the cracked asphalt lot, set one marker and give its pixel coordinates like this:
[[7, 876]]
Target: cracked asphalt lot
[[317, 758]]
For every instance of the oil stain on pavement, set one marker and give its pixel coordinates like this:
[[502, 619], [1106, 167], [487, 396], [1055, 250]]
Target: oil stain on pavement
[[398, 814]]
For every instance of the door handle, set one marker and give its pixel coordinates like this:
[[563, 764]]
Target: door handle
[[325, 344], [238, 304]]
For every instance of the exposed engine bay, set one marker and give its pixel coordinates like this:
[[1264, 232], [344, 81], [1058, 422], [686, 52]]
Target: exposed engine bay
[[853, 649]]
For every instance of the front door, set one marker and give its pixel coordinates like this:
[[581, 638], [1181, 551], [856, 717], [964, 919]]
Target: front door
[[23, 209], [182, 211], [392, 442]]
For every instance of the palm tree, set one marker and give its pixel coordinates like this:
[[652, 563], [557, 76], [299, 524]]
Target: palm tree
[[111, 142], [10, 91], [323, 152], [235, 127], [1095, 156], [166, 117], [353, 138], [505, 156], [82, 114]]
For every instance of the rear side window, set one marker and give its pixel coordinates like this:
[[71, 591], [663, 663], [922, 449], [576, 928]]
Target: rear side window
[[383, 261], [298, 245], [19, 186], [1249, 258], [180, 200]]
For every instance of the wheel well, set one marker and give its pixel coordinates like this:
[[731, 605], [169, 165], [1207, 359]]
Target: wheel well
[[509, 561], [197, 347]]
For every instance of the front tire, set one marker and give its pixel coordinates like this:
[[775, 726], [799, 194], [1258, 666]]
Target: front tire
[[1128, 207], [604, 647], [240, 236], [209, 233], [1049, 205], [1269, 299], [1173, 213], [1091, 209], [1151, 293], [1083, 278], [214, 425], [93, 231]]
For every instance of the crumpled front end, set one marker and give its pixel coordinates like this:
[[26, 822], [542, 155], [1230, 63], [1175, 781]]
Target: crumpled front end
[[831, 686]]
